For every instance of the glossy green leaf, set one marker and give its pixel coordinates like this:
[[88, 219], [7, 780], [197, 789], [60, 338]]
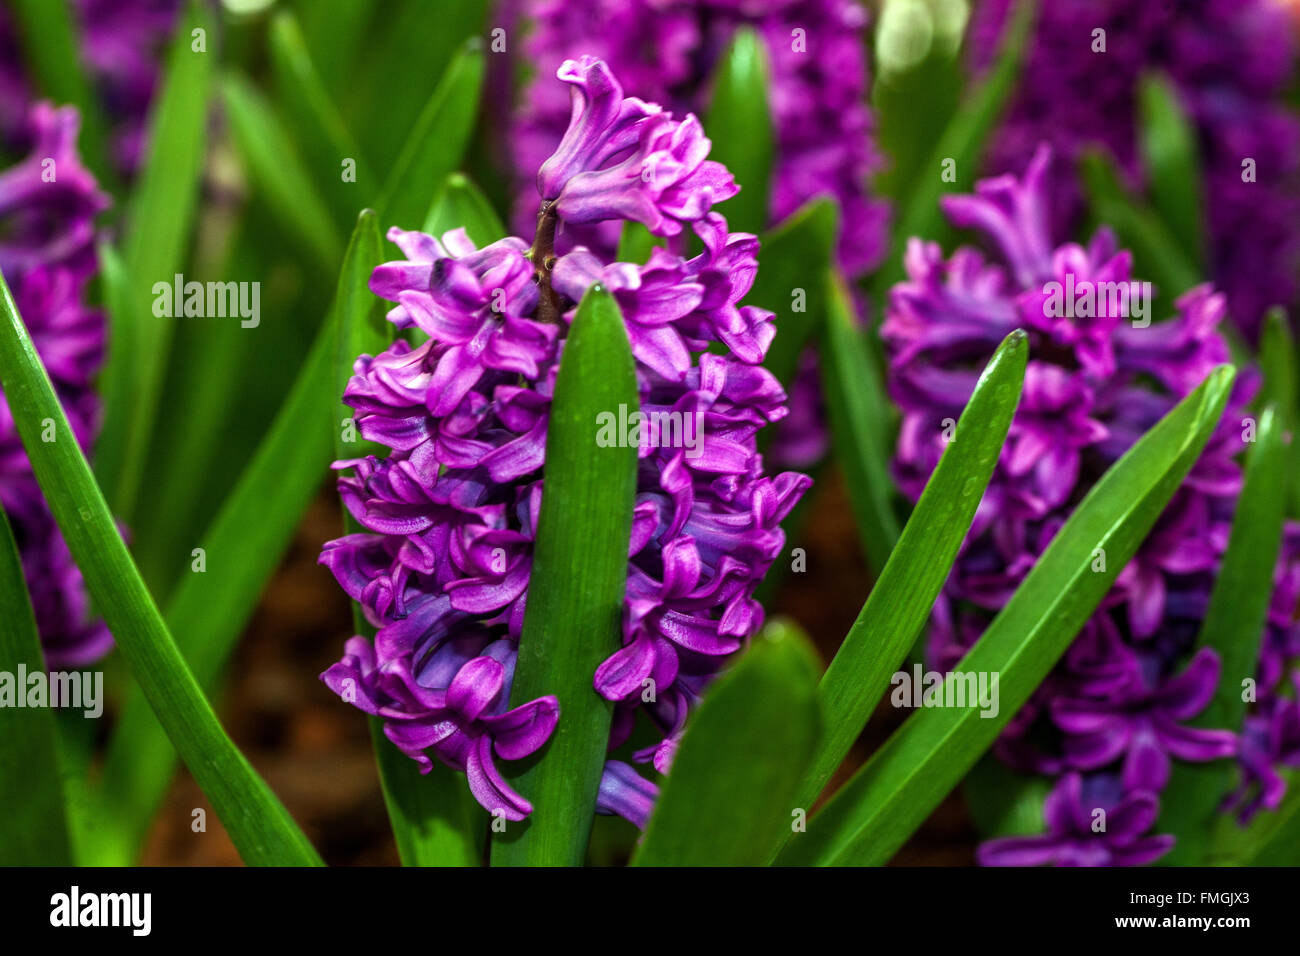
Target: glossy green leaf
[[315, 122], [900, 603], [437, 141], [860, 423], [1234, 628], [887, 799], [260, 827], [576, 589], [792, 262], [34, 828], [278, 172], [460, 204], [730, 796], [958, 150], [1239, 602], [739, 123], [160, 219], [1173, 167]]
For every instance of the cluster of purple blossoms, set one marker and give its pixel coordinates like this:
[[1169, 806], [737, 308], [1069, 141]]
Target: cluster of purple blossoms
[[1112, 715], [442, 568], [1230, 61], [48, 202], [666, 51]]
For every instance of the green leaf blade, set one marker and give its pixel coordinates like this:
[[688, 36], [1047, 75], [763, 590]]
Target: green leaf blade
[[257, 822], [792, 256], [314, 119], [731, 794], [360, 328], [1279, 842], [1156, 251], [1281, 389], [900, 603], [278, 172], [34, 830], [1234, 628], [577, 587], [740, 125], [876, 811], [1004, 802], [859, 418], [246, 540], [435, 819], [437, 142], [460, 204], [1234, 622], [161, 217], [50, 51], [1173, 167], [390, 83], [208, 611]]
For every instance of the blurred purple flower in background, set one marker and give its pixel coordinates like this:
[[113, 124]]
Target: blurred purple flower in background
[[442, 569], [666, 51], [1072, 840], [1100, 374], [48, 202], [1230, 61], [122, 44]]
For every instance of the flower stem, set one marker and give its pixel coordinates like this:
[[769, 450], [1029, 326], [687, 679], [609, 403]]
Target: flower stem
[[543, 257]]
